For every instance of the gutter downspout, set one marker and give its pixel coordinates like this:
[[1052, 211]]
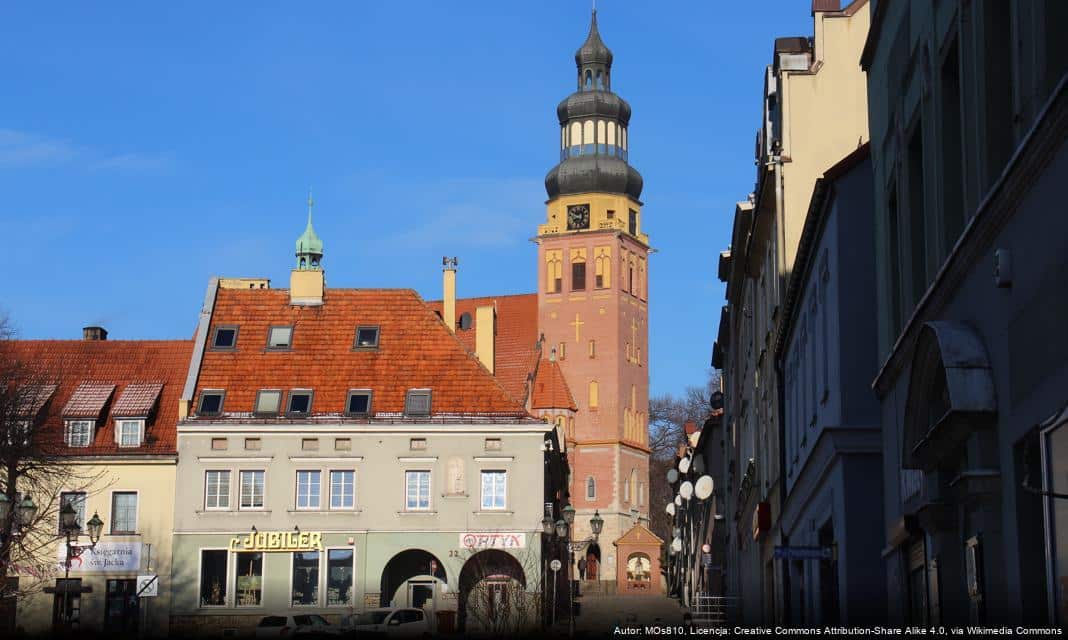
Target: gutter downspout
[[198, 349]]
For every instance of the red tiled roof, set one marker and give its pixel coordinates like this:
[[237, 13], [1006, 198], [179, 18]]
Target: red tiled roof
[[88, 400], [415, 350], [32, 398], [516, 353], [137, 400], [116, 363], [550, 388]]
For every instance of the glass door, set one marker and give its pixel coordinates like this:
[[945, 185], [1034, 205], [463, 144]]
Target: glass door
[[122, 607]]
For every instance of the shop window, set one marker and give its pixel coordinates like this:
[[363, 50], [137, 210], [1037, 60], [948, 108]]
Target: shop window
[[213, 577], [339, 577], [305, 588], [248, 579]]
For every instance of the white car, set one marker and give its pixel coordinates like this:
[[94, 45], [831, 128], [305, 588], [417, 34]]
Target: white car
[[305, 626], [387, 622]]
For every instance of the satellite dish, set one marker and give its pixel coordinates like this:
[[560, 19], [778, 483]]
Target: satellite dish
[[699, 464], [676, 545], [670, 508], [686, 490], [684, 465], [673, 476], [678, 501], [704, 487], [465, 321]]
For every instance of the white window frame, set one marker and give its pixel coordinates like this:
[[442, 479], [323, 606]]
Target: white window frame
[[408, 473], [413, 393], [69, 432], [228, 485], [230, 564], [120, 423], [324, 575], [241, 494], [330, 504], [320, 581], [482, 490], [270, 337], [137, 513], [277, 408], [318, 475]]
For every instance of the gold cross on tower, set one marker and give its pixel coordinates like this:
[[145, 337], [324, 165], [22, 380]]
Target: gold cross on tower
[[578, 325], [633, 340]]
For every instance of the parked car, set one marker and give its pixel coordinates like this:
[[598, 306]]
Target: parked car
[[392, 623], [305, 626]]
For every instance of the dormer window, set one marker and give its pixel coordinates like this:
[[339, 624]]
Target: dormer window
[[224, 338], [366, 338], [79, 433], [417, 402], [268, 401], [129, 433], [299, 403], [280, 338], [211, 403], [358, 403]]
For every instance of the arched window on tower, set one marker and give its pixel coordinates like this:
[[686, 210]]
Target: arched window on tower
[[587, 137], [591, 488], [594, 394], [553, 271], [589, 79], [600, 80], [578, 269], [601, 149], [576, 139], [633, 482], [602, 268]]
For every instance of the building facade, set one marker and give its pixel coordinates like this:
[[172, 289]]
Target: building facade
[[968, 110]]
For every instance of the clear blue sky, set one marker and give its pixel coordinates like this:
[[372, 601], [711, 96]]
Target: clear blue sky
[[147, 146]]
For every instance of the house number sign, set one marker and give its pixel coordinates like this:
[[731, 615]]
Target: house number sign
[[281, 541]]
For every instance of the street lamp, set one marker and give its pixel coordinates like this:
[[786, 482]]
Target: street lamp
[[27, 511], [564, 529], [71, 529]]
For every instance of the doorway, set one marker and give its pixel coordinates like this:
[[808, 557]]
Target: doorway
[[593, 561], [67, 604], [122, 607]]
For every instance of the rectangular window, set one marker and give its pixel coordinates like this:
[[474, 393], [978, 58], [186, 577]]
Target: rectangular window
[[220, 444], [248, 579], [211, 403], [268, 402], [366, 337], [305, 588], [578, 276], [493, 444], [299, 403], [417, 490], [417, 444], [309, 444], [417, 402], [79, 433], [343, 444], [128, 433], [224, 338], [123, 512], [632, 223], [952, 169], [213, 577], [494, 489], [339, 577], [917, 215], [75, 499], [342, 489], [893, 236], [359, 403], [251, 490], [253, 444], [561, 351], [308, 489], [280, 338], [593, 348], [217, 490]]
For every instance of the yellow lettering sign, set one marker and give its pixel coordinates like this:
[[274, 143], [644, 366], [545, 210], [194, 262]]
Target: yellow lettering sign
[[281, 541]]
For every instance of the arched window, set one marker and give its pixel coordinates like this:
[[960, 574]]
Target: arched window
[[633, 484], [594, 393], [626, 492], [589, 79], [602, 267], [587, 137], [553, 271], [591, 488], [611, 138], [600, 136], [575, 138], [600, 80], [578, 269]]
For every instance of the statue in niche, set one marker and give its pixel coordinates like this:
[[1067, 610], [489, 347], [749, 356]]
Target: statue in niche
[[457, 483]]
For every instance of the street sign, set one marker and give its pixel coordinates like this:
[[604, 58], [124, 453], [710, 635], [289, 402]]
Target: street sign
[[555, 565], [804, 553], [147, 586]]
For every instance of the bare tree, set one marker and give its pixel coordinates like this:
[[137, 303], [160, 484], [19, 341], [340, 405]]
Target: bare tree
[[497, 602], [32, 465]]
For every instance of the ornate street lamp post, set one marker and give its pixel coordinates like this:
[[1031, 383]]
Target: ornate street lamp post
[[548, 528], [15, 516], [71, 529], [564, 529]]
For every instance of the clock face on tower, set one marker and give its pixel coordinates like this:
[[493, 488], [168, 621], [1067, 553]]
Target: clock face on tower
[[578, 217]]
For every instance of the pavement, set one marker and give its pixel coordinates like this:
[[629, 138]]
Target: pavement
[[612, 614]]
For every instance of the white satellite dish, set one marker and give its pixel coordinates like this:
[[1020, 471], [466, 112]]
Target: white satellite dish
[[678, 501], [670, 508], [673, 476], [686, 490], [684, 465], [703, 487], [676, 545]]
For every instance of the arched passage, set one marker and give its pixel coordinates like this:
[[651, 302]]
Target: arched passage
[[593, 562], [416, 568], [493, 593]]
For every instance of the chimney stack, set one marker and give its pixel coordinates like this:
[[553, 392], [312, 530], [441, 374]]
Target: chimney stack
[[448, 300], [486, 335], [94, 334]]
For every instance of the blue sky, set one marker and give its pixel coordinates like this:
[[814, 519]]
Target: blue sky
[[147, 146]]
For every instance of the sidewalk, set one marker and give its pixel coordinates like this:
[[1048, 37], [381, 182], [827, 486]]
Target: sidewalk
[[601, 615]]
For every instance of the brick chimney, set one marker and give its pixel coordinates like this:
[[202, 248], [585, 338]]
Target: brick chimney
[[448, 299], [94, 334]]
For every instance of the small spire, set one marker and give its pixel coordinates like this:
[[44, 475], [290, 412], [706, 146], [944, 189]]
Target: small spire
[[311, 203], [309, 247]]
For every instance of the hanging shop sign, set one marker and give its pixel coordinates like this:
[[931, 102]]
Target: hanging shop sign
[[280, 541], [493, 540], [105, 557]]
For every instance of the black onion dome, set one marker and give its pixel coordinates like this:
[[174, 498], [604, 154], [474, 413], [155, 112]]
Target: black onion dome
[[594, 50], [593, 173], [582, 104]]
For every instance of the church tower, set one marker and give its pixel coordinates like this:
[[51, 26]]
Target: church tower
[[593, 303]]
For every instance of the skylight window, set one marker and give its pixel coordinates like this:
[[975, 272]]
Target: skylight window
[[417, 403], [299, 403], [366, 337], [224, 338], [211, 403], [359, 402], [280, 337], [268, 401]]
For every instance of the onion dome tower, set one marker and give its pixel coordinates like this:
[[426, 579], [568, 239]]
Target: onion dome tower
[[309, 246]]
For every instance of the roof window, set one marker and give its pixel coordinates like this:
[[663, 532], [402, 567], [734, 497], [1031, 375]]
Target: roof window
[[299, 403], [280, 338], [211, 403], [417, 402], [359, 402], [268, 402], [366, 338], [224, 338]]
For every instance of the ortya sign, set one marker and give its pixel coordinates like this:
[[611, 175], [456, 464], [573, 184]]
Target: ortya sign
[[280, 541]]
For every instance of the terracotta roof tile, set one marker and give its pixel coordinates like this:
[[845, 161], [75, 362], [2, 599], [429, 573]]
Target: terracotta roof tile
[[33, 398], [137, 400], [88, 400], [414, 351], [550, 388], [516, 353], [115, 363]]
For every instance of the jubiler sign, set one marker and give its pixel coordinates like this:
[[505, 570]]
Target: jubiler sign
[[278, 541]]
